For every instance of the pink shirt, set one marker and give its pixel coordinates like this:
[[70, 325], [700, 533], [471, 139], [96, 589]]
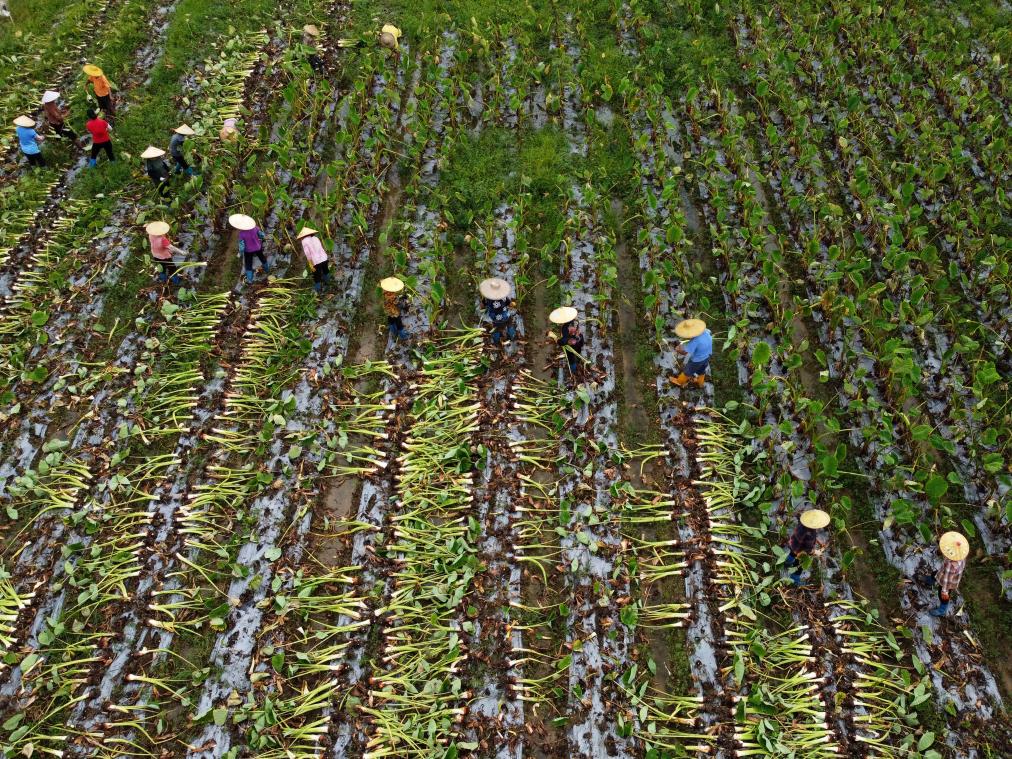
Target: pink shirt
[[160, 247], [313, 249]]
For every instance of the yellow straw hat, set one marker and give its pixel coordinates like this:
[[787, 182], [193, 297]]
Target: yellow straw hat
[[390, 36], [24, 121], [184, 129], [494, 288], [92, 70], [391, 285], [152, 152], [305, 232], [815, 519], [954, 546], [689, 328], [242, 222], [563, 315], [311, 30], [156, 228]]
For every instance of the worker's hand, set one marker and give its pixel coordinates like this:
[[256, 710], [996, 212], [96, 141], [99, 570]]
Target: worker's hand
[[679, 349], [944, 596]]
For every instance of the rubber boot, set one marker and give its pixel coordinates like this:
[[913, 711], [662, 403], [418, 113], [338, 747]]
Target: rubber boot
[[940, 610], [162, 276], [700, 380], [318, 286], [249, 276], [92, 162], [681, 380], [796, 579], [267, 269], [189, 171], [176, 280]]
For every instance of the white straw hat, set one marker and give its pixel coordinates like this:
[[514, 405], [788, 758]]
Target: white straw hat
[[305, 232], [689, 328], [242, 222], [311, 30], [184, 129], [563, 315], [494, 288], [156, 228], [50, 96], [152, 152], [815, 519], [954, 546], [24, 121], [391, 285]]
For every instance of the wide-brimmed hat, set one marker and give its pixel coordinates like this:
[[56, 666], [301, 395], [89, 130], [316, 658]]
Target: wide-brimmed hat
[[157, 228], [184, 129], [389, 36], [563, 315], [152, 152], [24, 121], [242, 222], [50, 96], [92, 70], [494, 288], [954, 546], [815, 519], [689, 328], [306, 232], [391, 285], [311, 30]]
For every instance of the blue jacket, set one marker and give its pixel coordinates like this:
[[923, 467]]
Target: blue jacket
[[26, 136], [700, 348]]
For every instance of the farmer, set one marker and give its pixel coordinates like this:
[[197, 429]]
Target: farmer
[[176, 147], [390, 37], [100, 139], [229, 132], [162, 250], [394, 306], [29, 139], [156, 168], [697, 350], [570, 340], [804, 539], [56, 115], [954, 549], [251, 243], [310, 38], [102, 89], [316, 256], [495, 294]]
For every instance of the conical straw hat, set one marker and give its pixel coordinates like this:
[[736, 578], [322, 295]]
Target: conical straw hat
[[689, 328], [152, 152], [156, 228], [305, 232], [311, 30], [494, 288], [92, 70], [391, 285], [242, 222], [184, 129], [815, 519], [563, 315], [954, 546], [50, 96], [24, 121]]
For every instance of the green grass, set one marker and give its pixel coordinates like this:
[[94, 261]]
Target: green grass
[[32, 22]]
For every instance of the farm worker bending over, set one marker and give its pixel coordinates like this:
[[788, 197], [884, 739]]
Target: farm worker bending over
[[571, 338], [100, 139], [162, 250], [56, 115], [29, 140], [316, 256], [495, 294], [310, 35], [394, 306], [390, 37], [954, 549], [697, 350], [102, 89], [804, 539], [176, 145], [251, 243], [156, 168], [228, 132]]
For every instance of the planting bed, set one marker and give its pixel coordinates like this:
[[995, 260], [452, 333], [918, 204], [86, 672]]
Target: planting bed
[[240, 519]]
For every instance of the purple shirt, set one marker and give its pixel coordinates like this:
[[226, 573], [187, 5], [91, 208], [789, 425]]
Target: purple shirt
[[250, 239]]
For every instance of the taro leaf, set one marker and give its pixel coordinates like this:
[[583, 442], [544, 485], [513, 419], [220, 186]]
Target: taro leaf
[[38, 374], [926, 740], [564, 662], [739, 667], [295, 451], [220, 715], [936, 487], [272, 554], [761, 354], [969, 528], [278, 661], [13, 722], [40, 318]]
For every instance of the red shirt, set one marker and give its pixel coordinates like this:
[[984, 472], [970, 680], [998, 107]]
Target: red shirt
[[99, 129]]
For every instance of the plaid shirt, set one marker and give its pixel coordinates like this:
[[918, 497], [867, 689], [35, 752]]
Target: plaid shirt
[[949, 575], [802, 540]]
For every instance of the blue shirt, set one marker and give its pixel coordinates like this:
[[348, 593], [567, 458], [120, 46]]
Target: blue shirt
[[700, 347], [26, 136]]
